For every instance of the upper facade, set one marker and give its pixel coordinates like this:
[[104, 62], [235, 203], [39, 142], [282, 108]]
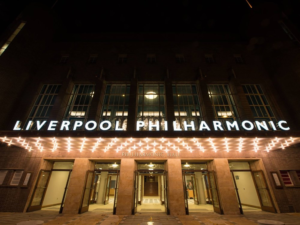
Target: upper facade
[[159, 82]]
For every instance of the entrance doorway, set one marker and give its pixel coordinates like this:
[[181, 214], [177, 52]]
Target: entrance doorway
[[251, 188], [101, 188], [150, 189], [51, 188], [200, 189]]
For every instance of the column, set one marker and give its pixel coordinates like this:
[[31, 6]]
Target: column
[[227, 194], [77, 185], [169, 104], [102, 187], [126, 188], [175, 187], [97, 101], [200, 188], [205, 103], [131, 124]]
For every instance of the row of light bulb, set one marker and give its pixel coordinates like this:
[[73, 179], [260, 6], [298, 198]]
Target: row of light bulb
[[39, 146]]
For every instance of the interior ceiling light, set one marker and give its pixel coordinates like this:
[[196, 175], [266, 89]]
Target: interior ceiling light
[[151, 95], [187, 165], [115, 165], [150, 165]]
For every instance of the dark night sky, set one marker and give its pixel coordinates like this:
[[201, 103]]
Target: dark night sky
[[149, 15]]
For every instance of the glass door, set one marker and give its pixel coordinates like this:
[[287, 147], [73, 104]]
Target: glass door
[[207, 190], [87, 192], [116, 195], [186, 203], [214, 192], [263, 191], [237, 194], [194, 182], [107, 189], [166, 192], [65, 193], [39, 191]]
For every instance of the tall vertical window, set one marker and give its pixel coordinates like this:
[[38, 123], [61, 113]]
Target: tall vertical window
[[151, 105], [80, 102], [115, 105], [43, 104], [11, 38], [186, 105], [258, 102], [222, 102]]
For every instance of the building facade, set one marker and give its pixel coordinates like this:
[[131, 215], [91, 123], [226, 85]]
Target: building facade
[[162, 123]]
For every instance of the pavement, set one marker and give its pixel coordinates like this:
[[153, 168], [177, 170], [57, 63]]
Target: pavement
[[97, 218]]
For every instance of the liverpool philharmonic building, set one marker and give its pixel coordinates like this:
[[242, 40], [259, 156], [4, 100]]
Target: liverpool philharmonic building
[[132, 123]]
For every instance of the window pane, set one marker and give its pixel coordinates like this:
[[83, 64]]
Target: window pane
[[186, 102], [258, 102], [43, 104], [116, 102], [222, 103]]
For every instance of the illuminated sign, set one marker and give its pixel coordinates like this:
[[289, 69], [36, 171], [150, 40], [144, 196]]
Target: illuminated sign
[[105, 125]]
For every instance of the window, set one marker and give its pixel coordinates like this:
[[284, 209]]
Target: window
[[222, 102], [3, 174], [11, 38], [286, 178], [122, 58], [238, 59], [26, 179], [16, 178], [80, 102], [43, 104], [151, 105], [151, 58], [93, 58], [258, 102], [64, 59], [209, 58], [235, 165], [179, 58], [298, 174], [115, 105], [287, 31], [186, 105]]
